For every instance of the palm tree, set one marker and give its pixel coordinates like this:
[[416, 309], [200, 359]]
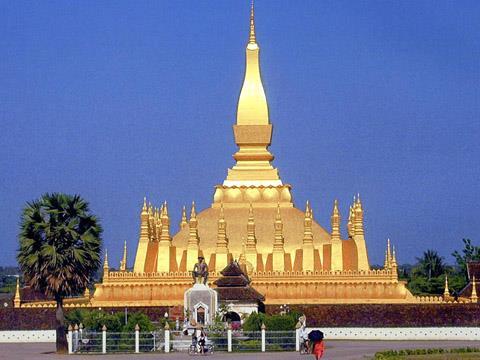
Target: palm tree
[[431, 264], [59, 249]]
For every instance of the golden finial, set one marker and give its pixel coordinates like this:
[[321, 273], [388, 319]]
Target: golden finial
[[222, 213], [250, 213], [86, 294], [446, 292], [335, 221], [252, 39], [473, 296], [335, 207], [123, 262], [389, 254], [193, 214], [144, 208], [307, 209], [105, 261], [16, 299], [165, 208], [183, 222], [394, 257], [278, 215], [386, 262]]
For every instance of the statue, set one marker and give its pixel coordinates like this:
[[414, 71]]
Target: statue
[[200, 271]]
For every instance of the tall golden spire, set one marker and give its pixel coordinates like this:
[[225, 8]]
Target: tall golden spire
[[16, 300], [252, 39], [307, 226], [279, 241], [335, 219], [251, 243], [222, 240], [253, 131], [193, 239], [123, 262], [184, 221], [473, 296], [446, 291], [105, 265], [165, 237]]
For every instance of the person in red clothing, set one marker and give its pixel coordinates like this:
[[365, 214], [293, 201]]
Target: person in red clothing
[[318, 349]]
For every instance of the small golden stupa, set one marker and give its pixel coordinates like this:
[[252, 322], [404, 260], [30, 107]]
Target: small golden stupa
[[289, 257]]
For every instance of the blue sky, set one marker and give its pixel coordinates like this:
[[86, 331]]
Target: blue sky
[[116, 100]]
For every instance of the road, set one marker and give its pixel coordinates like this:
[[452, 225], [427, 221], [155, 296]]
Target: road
[[340, 349]]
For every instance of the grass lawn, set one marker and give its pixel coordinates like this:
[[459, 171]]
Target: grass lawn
[[464, 356]]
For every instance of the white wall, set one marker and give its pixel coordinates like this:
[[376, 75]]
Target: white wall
[[27, 336], [403, 333]]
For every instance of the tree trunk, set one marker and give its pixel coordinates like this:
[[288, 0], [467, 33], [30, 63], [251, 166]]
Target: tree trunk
[[62, 346]]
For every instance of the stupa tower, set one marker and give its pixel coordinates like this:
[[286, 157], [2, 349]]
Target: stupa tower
[[253, 179]]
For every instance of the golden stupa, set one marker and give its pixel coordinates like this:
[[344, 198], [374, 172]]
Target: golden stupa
[[289, 256]]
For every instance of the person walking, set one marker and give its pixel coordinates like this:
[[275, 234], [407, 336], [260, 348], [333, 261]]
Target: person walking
[[318, 347]]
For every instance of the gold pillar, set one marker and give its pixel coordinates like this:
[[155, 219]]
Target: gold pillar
[[141, 255], [251, 244], [359, 236], [308, 250], [164, 253], [337, 248], [278, 254], [193, 239], [221, 253]]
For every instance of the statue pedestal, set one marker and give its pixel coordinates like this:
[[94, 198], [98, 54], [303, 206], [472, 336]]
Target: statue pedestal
[[201, 303]]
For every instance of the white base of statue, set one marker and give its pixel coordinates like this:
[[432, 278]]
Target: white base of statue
[[201, 303]]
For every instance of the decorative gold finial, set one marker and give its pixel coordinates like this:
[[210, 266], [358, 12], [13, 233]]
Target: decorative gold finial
[[183, 222], [389, 254], [105, 265], [16, 300], [123, 262], [86, 295], [252, 39], [473, 296], [193, 213], [446, 291], [222, 212], [193, 239], [394, 260], [144, 208], [335, 222], [279, 241]]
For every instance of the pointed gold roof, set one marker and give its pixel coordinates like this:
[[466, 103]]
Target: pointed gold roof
[[252, 105]]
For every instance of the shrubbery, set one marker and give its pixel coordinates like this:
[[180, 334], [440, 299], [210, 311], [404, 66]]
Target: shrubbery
[[400, 354], [115, 322], [272, 322]]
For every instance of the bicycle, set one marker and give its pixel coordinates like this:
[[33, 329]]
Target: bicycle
[[208, 349], [304, 347]]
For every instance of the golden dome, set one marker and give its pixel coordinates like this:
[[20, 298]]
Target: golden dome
[[237, 218]]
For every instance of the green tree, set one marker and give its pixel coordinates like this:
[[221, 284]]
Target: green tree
[[431, 264], [59, 249], [469, 253]]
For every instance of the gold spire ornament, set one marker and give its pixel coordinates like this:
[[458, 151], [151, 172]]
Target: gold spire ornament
[[473, 296], [335, 221], [446, 291], [193, 239], [16, 300], [105, 265], [183, 222], [123, 262], [279, 241], [307, 227]]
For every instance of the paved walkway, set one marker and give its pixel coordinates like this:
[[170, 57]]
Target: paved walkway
[[340, 349]]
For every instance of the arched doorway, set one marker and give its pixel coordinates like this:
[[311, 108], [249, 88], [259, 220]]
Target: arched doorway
[[232, 316]]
